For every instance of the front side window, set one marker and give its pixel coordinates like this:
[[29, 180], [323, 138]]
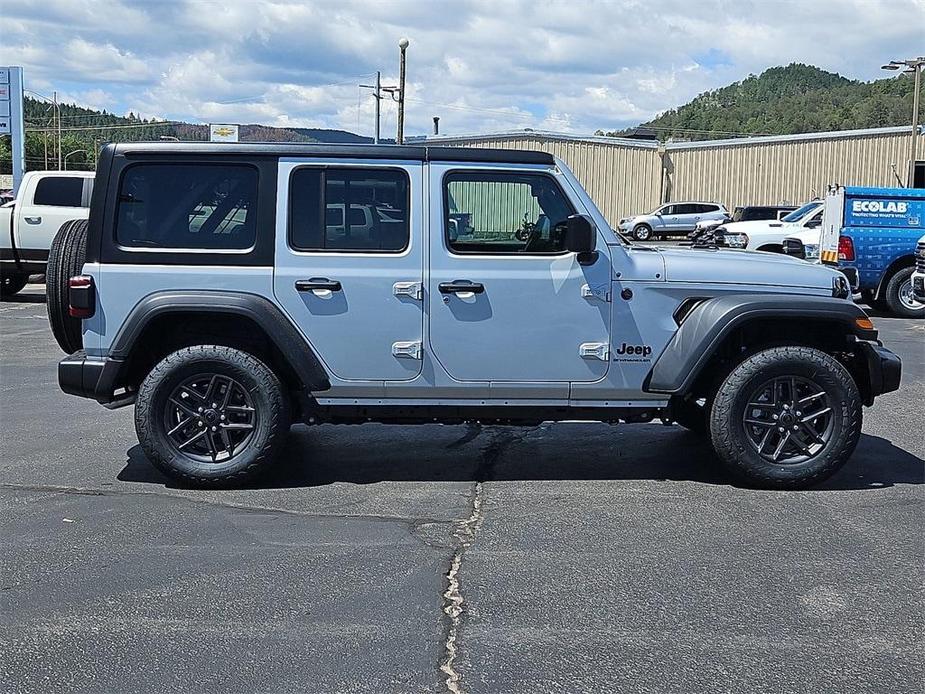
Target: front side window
[[349, 209], [59, 191], [188, 206], [489, 212]]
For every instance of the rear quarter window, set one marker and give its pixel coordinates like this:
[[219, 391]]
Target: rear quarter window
[[187, 206], [59, 191]]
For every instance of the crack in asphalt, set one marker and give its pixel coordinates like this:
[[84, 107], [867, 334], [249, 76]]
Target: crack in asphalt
[[465, 535], [412, 523]]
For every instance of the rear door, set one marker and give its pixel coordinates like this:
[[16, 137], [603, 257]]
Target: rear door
[[507, 303], [54, 201], [350, 263]]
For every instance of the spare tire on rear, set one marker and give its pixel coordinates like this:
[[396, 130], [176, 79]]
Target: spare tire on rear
[[66, 259]]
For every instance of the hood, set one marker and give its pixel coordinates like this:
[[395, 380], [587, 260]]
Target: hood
[[712, 266]]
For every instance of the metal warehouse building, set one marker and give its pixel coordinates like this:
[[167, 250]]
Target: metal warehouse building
[[627, 176]]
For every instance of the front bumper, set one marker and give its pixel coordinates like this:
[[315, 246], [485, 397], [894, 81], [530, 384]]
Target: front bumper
[[93, 377], [884, 370]]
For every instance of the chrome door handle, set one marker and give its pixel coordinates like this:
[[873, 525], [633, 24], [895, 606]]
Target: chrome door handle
[[33, 220], [461, 287], [314, 283]]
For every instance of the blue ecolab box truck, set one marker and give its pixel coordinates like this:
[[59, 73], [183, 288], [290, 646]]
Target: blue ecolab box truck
[[870, 234]]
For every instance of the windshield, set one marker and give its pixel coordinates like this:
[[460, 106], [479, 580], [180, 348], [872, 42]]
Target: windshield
[[801, 212]]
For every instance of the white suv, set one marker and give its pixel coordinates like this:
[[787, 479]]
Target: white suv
[[769, 235]]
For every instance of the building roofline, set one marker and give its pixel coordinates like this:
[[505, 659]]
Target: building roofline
[[669, 146]]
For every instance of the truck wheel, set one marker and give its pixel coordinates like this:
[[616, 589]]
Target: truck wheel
[[642, 232], [786, 418], [65, 260], [12, 282], [210, 415], [900, 298]]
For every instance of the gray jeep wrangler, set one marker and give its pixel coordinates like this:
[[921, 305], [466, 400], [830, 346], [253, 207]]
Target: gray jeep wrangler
[[228, 290]]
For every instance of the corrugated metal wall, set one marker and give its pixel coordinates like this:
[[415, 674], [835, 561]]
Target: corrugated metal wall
[[623, 178], [789, 171]]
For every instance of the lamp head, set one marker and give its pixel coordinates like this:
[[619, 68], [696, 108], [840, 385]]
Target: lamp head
[[403, 43]]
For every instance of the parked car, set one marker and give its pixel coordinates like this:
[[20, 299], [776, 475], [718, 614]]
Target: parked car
[[676, 218], [748, 213], [769, 235], [46, 200], [918, 277], [872, 235], [215, 295]]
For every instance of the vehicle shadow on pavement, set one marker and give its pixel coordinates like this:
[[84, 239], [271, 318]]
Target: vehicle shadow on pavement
[[319, 456], [24, 299]]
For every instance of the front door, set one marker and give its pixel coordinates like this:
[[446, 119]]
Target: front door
[[507, 302], [350, 262]]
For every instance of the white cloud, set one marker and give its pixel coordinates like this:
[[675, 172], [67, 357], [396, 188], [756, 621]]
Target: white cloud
[[481, 65]]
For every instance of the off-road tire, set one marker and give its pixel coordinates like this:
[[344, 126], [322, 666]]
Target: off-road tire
[[728, 431], [642, 232], [892, 295], [270, 402], [66, 259], [12, 282]]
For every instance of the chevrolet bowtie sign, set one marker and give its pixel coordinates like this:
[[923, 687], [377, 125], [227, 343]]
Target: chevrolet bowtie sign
[[223, 133]]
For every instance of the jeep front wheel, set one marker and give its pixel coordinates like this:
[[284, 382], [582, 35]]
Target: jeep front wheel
[[786, 418], [211, 415]]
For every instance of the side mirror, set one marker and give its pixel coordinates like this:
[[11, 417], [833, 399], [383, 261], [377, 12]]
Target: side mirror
[[580, 234]]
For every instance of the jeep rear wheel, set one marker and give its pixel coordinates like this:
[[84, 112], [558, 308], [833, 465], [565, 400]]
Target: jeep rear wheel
[[786, 418], [210, 415], [66, 259]]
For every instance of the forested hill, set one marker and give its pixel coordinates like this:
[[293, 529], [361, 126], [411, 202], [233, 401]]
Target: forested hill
[[786, 100]]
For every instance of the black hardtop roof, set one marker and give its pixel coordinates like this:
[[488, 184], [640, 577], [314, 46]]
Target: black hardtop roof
[[347, 151]]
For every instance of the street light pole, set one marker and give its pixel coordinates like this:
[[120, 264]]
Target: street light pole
[[403, 47], [914, 67]]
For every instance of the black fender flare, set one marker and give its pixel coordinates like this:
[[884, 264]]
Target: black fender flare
[[264, 313], [711, 321]]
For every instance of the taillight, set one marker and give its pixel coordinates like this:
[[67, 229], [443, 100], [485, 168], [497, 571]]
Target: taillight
[[81, 297], [845, 248]]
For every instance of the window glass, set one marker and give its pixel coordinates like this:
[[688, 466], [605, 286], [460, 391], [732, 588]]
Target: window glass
[[704, 209], [188, 206], [363, 210], [488, 212], [59, 191], [686, 209]]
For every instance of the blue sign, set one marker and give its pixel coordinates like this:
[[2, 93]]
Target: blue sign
[[884, 211]]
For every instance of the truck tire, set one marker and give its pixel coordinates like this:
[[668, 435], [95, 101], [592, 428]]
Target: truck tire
[[899, 296], [65, 260], [786, 418], [211, 416], [642, 232], [12, 282]]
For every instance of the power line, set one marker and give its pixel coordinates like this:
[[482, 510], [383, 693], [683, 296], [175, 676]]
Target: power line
[[116, 127]]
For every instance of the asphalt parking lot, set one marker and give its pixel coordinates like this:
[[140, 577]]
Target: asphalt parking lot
[[582, 557]]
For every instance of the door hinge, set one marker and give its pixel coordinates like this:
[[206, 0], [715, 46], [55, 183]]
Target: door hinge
[[413, 289], [406, 350], [594, 350], [600, 292]]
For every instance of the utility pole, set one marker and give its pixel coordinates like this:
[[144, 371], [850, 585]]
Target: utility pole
[[377, 95], [914, 67], [58, 111], [403, 47]]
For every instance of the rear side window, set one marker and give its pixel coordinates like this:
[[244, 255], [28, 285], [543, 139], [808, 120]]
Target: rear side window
[[349, 210], [59, 191], [195, 206]]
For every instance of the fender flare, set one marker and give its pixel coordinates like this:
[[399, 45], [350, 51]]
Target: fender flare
[[711, 321], [264, 313]]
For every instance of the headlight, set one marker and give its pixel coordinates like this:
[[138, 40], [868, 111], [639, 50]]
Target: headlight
[[734, 240], [840, 287], [811, 251]]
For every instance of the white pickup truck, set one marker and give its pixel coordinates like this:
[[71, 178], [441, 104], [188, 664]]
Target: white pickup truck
[[46, 200]]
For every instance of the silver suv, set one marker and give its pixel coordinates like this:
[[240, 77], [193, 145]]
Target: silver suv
[[229, 290], [672, 218]]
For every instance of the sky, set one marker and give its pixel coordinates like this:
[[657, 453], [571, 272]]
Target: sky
[[481, 65]]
